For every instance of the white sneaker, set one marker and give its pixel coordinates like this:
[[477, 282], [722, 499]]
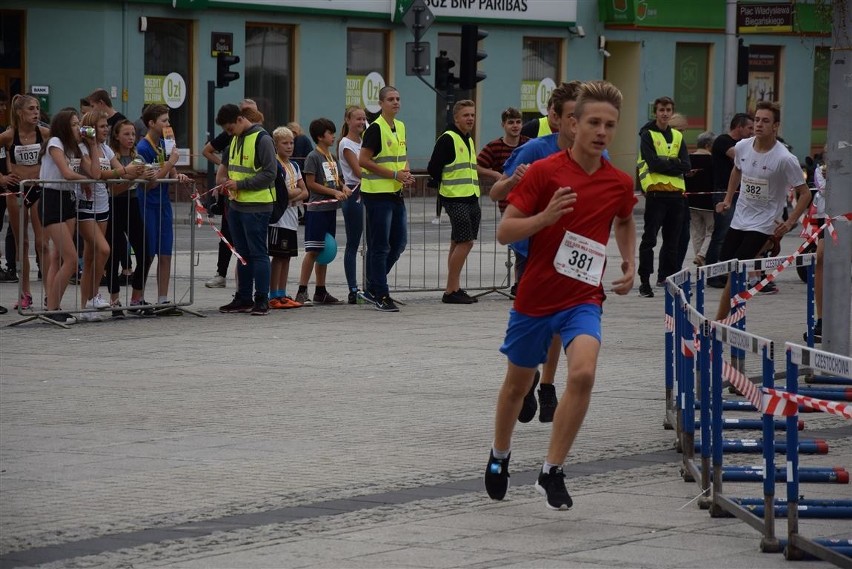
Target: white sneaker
[[217, 281], [98, 302]]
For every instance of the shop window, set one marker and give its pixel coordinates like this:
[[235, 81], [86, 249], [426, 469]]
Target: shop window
[[268, 69], [691, 86], [366, 68], [764, 65], [11, 56], [542, 65], [168, 72]]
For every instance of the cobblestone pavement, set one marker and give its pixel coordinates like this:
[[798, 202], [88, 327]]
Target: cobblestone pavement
[[343, 437]]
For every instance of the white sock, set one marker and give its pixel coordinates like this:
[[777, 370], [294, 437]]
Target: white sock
[[547, 466], [162, 299], [501, 454]]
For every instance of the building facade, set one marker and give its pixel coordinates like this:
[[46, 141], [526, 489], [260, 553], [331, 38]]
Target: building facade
[[304, 59]]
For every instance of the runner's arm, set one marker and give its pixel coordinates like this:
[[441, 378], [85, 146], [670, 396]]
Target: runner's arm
[[625, 238]]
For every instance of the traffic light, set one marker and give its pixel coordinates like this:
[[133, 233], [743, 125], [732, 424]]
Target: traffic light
[[224, 75], [443, 76], [742, 63], [469, 76]]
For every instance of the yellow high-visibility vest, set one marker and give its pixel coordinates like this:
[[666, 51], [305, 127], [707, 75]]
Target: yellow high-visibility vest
[[654, 181], [393, 156], [543, 127], [459, 178], [241, 166]]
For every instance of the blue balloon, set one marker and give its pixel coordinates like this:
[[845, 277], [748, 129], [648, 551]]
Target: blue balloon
[[329, 252]]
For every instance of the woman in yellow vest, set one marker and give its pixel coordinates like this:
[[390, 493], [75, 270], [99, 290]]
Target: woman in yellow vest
[[453, 168], [384, 162]]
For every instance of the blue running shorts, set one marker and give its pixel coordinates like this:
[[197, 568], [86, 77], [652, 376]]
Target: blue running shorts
[[528, 337]]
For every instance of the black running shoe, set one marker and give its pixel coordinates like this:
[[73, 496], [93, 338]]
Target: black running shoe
[[817, 333], [552, 487], [464, 293], [547, 402], [3, 310], [260, 307], [386, 304], [457, 297], [352, 298], [237, 305], [530, 405], [141, 309], [646, 291], [497, 477]]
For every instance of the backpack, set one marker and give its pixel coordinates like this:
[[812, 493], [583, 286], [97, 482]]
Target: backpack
[[282, 197]]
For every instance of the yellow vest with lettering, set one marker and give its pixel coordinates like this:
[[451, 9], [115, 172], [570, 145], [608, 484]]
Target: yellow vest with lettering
[[392, 156], [654, 181], [241, 166], [543, 127], [459, 178]]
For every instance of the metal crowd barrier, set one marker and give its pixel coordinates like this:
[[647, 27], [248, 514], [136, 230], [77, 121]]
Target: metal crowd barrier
[[181, 283], [701, 355], [422, 266]]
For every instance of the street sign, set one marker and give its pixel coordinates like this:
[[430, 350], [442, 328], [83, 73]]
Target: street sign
[[412, 61], [418, 18]]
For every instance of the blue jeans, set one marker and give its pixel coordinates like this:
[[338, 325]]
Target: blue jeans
[[249, 231], [353, 216], [721, 223], [387, 235]]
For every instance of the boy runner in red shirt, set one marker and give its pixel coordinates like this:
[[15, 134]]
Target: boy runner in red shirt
[[568, 203]]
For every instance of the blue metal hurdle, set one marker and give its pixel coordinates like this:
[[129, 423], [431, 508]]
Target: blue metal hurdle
[[797, 544]]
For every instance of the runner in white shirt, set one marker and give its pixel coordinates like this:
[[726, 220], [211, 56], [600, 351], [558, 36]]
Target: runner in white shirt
[[763, 172]]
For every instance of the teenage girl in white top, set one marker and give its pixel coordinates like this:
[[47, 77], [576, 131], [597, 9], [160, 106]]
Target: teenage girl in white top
[[354, 125]]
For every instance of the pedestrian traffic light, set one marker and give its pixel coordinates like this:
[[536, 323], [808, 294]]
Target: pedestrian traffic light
[[443, 76], [469, 76], [224, 75]]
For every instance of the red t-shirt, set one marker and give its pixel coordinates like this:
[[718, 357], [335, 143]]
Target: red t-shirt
[[601, 197]]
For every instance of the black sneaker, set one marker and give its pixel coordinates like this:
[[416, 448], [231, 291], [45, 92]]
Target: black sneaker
[[62, 318], [8, 276], [472, 298], [456, 297], [117, 311], [770, 288], [141, 309], [260, 307], [497, 476], [326, 299], [552, 487], [366, 296], [530, 406], [547, 402], [352, 298], [386, 304], [513, 291], [3, 310], [817, 333], [237, 306], [646, 291]]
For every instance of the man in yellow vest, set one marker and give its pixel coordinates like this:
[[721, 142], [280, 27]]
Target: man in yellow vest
[[247, 174], [384, 172], [453, 168], [663, 161], [542, 126]]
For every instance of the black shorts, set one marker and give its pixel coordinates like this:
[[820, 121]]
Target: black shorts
[[57, 206], [31, 195], [464, 219], [282, 243], [742, 245]]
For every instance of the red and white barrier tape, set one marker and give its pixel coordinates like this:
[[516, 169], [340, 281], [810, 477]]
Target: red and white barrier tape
[[320, 202], [783, 403], [746, 295], [669, 323], [687, 349], [739, 380], [738, 315], [201, 212]]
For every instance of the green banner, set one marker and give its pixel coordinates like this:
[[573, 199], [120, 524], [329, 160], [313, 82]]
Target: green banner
[[703, 14], [690, 92]]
